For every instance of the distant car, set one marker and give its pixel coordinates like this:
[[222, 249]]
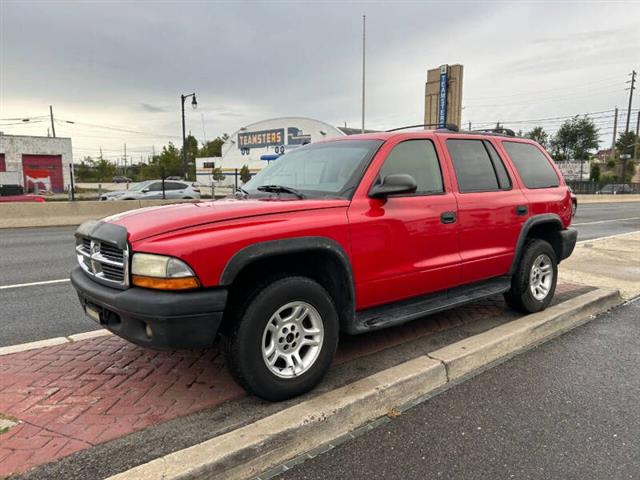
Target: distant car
[[119, 179], [22, 198], [615, 189], [152, 190]]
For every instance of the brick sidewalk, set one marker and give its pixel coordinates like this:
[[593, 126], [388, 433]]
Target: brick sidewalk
[[73, 396]]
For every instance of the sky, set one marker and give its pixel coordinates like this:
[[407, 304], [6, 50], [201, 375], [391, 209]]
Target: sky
[[117, 68]]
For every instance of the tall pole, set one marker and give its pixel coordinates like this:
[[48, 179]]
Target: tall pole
[[184, 142], [364, 25], [615, 132], [631, 89], [53, 128], [124, 160]]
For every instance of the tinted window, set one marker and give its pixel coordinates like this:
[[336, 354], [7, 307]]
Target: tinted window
[[155, 187], [533, 167], [474, 169], [174, 186], [416, 158], [498, 166]]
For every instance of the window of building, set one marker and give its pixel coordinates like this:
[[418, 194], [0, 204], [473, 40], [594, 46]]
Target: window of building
[[534, 168], [417, 158]]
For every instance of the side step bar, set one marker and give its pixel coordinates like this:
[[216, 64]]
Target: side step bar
[[401, 312]]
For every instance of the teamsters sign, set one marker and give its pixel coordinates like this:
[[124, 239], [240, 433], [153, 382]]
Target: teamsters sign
[[261, 138]]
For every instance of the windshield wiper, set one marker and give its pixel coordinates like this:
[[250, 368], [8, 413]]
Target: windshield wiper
[[280, 189]]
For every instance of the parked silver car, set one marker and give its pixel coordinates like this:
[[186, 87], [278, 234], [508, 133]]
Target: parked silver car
[[152, 190]]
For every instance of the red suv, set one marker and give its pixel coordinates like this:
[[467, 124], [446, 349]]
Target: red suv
[[352, 234]]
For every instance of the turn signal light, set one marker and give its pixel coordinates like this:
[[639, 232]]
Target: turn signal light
[[184, 283]]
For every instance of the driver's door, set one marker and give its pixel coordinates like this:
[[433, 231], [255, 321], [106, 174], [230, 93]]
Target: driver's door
[[405, 245]]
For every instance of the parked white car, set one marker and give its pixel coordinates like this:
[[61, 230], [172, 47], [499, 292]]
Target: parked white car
[[152, 190]]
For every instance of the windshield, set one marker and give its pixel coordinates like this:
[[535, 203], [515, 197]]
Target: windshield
[[323, 169]]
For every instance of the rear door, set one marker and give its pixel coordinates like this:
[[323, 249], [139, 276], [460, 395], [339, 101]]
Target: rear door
[[491, 207], [401, 247]]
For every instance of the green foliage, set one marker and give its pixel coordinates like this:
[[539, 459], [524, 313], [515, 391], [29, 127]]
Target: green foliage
[[611, 163], [626, 142], [217, 174], [608, 177], [169, 163], [245, 174], [575, 139], [90, 170], [213, 148], [539, 135], [594, 175]]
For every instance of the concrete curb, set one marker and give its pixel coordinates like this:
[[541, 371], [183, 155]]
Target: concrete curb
[[50, 342], [257, 447]]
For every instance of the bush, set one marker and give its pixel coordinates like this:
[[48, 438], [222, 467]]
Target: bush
[[245, 174]]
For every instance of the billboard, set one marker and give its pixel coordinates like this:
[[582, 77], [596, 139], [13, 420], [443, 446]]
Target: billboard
[[261, 138], [443, 96], [442, 101]]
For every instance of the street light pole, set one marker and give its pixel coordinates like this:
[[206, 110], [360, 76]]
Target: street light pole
[[194, 104]]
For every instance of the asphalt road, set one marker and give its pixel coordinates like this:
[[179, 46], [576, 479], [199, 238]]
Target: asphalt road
[[567, 409], [35, 312]]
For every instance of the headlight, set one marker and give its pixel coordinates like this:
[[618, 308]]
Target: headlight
[[161, 272]]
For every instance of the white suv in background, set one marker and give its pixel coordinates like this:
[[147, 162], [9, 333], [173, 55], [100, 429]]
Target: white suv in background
[[152, 190]]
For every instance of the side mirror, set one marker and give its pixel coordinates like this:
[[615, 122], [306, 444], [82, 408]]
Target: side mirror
[[393, 185], [146, 190]]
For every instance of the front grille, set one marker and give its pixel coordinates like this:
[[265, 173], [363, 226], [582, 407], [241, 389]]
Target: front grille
[[103, 261]]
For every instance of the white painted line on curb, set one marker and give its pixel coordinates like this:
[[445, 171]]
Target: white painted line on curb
[[49, 342], [608, 236], [33, 284], [606, 221]]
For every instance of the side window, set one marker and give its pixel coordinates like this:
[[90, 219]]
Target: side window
[[155, 187], [501, 172], [417, 158], [173, 186], [533, 167], [473, 166]]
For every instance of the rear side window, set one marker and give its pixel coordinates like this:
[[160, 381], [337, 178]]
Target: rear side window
[[474, 167], [533, 167], [417, 158], [174, 186]]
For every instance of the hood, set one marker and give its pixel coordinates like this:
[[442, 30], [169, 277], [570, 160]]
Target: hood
[[150, 221]]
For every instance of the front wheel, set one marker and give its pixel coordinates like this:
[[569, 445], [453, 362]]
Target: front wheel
[[534, 282], [284, 341]]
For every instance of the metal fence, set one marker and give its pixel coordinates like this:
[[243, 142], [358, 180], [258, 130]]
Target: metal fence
[[589, 188]]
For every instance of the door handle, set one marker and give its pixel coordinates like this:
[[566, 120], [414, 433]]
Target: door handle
[[448, 217], [521, 210]]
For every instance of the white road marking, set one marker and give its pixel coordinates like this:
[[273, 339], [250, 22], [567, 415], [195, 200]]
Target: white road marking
[[608, 236], [606, 221], [33, 284]]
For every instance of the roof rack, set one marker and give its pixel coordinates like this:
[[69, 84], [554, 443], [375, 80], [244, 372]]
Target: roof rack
[[496, 131], [449, 126]]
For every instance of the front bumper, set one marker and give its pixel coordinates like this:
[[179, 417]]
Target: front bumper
[[568, 238], [174, 319]]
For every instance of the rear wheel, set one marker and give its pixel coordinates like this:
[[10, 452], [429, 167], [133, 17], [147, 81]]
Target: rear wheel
[[534, 282], [284, 341]]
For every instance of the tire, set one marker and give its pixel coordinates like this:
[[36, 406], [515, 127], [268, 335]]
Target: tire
[[269, 321], [527, 293]]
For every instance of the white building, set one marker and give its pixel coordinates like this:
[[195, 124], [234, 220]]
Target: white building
[[257, 144], [40, 163]]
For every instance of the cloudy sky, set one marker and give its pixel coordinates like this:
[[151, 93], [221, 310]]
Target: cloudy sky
[[117, 68]]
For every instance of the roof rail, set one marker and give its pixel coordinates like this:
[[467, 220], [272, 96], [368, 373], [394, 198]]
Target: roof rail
[[449, 126], [497, 131]]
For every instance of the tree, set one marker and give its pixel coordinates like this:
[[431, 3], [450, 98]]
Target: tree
[[213, 148], [575, 139], [105, 170], [169, 163], [595, 172], [217, 174], [245, 174], [626, 142], [539, 135]]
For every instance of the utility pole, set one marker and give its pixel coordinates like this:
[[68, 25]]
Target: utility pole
[[615, 132], [53, 128], [631, 89], [364, 25], [124, 160], [469, 126]]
